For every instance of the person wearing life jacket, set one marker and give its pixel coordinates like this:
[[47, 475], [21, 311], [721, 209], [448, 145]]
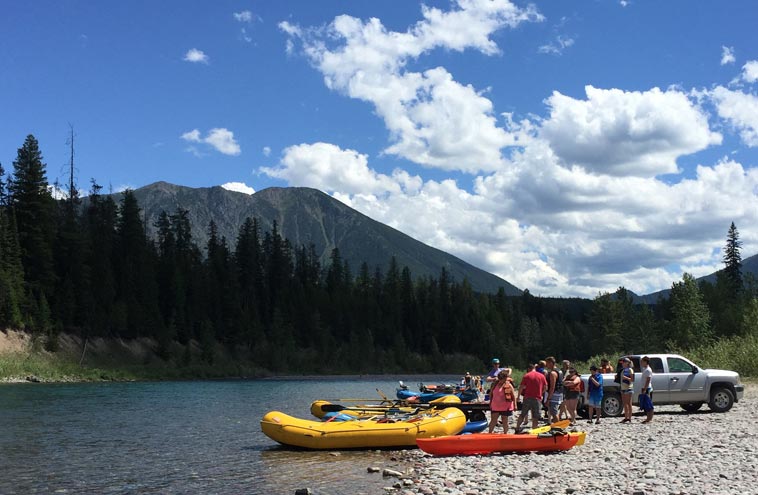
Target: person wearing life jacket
[[554, 396], [572, 387], [605, 366], [503, 397]]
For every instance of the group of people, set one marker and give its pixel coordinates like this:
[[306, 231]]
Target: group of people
[[557, 391]]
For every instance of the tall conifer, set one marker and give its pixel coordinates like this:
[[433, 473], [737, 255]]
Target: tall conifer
[[33, 206]]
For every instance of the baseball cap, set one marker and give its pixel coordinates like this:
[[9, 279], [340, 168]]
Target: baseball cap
[[593, 368]]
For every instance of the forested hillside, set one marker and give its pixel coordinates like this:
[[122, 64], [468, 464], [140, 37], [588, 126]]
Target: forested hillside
[[91, 270], [307, 217]]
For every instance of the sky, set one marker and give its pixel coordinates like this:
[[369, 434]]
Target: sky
[[569, 147]]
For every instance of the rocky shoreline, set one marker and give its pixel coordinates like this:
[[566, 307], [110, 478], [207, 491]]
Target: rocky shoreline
[[679, 453]]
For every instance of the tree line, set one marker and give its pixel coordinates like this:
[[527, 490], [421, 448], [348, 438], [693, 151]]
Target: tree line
[[86, 266]]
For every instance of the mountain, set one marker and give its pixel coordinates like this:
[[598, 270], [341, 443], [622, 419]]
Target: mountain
[[306, 216], [749, 265]]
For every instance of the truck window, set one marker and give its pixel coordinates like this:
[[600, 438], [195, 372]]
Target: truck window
[[656, 364], [636, 364], [678, 365]]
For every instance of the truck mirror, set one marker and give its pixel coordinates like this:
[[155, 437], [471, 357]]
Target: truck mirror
[[694, 370]]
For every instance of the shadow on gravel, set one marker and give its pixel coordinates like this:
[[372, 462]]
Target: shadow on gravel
[[674, 412]]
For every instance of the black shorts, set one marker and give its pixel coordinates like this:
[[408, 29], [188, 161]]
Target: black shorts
[[504, 413]]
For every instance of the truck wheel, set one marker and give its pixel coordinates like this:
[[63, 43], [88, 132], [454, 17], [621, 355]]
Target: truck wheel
[[722, 399], [611, 404], [692, 406]]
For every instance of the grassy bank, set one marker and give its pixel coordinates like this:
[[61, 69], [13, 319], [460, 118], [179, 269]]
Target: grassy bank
[[739, 353], [52, 368], [116, 360], [23, 358]]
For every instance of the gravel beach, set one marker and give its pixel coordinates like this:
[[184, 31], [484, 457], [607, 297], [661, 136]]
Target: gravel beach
[[678, 453]]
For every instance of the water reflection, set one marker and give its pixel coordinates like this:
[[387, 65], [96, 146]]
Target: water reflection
[[174, 437]]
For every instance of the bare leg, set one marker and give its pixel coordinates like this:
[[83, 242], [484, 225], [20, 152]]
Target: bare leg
[[493, 421]]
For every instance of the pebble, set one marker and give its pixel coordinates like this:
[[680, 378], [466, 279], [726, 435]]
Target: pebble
[[392, 472], [677, 454]]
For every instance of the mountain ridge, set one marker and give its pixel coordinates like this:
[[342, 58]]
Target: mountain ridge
[[749, 265], [304, 216]]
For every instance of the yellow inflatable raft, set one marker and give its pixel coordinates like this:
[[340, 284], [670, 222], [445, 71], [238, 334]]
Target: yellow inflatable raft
[[296, 432], [320, 408]]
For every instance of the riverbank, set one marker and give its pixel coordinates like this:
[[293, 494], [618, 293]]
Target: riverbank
[[679, 453], [23, 359]]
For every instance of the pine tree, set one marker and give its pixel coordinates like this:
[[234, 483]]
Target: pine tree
[[733, 260], [137, 287], [11, 270], [690, 323], [607, 324], [33, 206], [100, 230]]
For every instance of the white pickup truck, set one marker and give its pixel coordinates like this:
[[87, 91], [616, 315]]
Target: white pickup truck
[[676, 380]]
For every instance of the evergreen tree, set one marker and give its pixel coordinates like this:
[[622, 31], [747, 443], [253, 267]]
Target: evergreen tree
[[607, 324], [137, 287], [690, 323], [33, 207], [100, 229], [733, 260], [11, 269]]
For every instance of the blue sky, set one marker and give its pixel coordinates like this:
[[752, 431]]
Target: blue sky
[[569, 147]]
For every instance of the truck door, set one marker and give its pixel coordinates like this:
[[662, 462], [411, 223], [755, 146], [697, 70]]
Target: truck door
[[684, 385], [660, 381]]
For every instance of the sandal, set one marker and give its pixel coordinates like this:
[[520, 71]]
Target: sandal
[[597, 421]]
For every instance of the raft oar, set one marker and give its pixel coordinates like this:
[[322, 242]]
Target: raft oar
[[546, 428], [340, 407]]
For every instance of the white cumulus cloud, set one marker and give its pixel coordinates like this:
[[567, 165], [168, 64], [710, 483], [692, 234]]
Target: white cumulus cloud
[[626, 132], [727, 55], [433, 120], [750, 71], [740, 110], [221, 139], [328, 167], [196, 56], [567, 204], [240, 187]]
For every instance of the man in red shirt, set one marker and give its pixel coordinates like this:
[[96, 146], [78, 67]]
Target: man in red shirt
[[533, 386]]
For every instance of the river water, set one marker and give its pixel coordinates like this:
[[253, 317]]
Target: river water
[[175, 437]]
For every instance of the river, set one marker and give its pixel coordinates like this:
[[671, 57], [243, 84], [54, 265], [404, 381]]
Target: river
[[175, 437]]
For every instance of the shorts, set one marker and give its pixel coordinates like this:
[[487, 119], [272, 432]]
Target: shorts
[[504, 413], [553, 407], [531, 404], [646, 403], [627, 391], [571, 395], [594, 401]]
